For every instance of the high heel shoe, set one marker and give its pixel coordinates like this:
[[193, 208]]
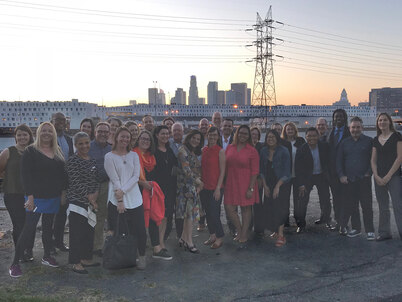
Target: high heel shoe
[[191, 249], [181, 242]]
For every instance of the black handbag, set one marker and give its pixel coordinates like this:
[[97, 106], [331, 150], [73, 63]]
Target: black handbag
[[120, 249]]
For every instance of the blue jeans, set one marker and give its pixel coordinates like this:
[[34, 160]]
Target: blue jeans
[[213, 212], [393, 188]]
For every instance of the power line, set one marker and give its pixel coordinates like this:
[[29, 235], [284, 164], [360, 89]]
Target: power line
[[335, 35], [127, 34], [122, 25], [395, 48], [119, 14]]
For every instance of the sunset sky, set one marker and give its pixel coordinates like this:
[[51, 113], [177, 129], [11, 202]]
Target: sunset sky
[[110, 52]]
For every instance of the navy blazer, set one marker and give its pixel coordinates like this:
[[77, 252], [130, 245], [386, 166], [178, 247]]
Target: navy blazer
[[280, 163], [333, 149], [304, 163]]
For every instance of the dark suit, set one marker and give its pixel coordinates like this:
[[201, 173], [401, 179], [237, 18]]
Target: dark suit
[[335, 184], [288, 145], [304, 165], [61, 216]]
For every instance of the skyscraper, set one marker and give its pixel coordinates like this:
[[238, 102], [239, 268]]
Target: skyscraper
[[220, 97], [240, 89], [212, 93], [386, 99], [152, 96], [193, 93], [248, 96], [179, 97]]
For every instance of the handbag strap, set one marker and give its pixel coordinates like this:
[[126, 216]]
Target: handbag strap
[[118, 224]]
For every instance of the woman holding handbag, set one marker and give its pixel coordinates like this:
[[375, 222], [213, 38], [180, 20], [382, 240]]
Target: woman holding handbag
[[123, 168]]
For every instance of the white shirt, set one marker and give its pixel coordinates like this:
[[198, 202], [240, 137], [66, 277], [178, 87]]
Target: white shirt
[[225, 144], [124, 173], [294, 149]]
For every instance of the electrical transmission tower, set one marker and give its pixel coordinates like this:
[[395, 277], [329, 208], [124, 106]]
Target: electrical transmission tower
[[264, 84]]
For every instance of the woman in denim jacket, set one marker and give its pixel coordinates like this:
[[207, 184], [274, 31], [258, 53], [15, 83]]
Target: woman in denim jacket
[[275, 175]]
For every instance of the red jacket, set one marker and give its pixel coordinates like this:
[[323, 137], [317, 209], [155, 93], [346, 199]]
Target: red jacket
[[154, 204]]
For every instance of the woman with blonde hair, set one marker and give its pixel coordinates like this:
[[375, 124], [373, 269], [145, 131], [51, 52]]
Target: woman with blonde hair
[[291, 135], [44, 179]]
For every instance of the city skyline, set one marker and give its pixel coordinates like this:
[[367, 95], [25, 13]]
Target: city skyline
[[111, 54]]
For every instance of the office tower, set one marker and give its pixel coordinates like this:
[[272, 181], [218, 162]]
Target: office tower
[[230, 96], [386, 99], [220, 97], [152, 96], [193, 93], [248, 96], [201, 101], [161, 97], [212, 93], [179, 97], [240, 90]]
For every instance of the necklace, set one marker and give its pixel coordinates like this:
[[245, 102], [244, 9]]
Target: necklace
[[124, 158]]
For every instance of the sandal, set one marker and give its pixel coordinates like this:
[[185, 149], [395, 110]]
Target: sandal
[[281, 241], [192, 249], [209, 241], [216, 245]]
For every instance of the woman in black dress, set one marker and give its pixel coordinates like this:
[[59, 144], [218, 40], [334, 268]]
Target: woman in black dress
[[275, 175], [386, 163]]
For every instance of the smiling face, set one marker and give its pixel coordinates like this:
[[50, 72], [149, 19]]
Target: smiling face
[[123, 140], [322, 126], [270, 140], [290, 131], [383, 122], [101, 134], [255, 136], [82, 145], [203, 126], [169, 124], [86, 127], [195, 140], [177, 133], [113, 126], [227, 128], [134, 130], [59, 122], [22, 138], [148, 122], [356, 129], [217, 119], [144, 142], [163, 136], [243, 135], [312, 138], [213, 137], [339, 119], [46, 134]]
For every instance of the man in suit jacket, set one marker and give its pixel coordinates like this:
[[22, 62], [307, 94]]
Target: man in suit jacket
[[339, 132], [311, 169], [227, 132], [65, 143]]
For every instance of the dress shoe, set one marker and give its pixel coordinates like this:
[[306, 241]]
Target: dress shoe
[[343, 231], [318, 221], [299, 230], [383, 237], [62, 247], [332, 227]]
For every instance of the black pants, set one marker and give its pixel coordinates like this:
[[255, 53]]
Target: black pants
[[81, 238], [321, 182], [355, 192], [59, 223], [213, 212], [258, 215], [169, 210], [15, 207], [134, 220], [292, 184], [31, 221]]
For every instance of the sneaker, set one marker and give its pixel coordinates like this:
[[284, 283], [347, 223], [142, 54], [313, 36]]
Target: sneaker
[[49, 261], [162, 254], [354, 233], [370, 236], [15, 271], [141, 263]]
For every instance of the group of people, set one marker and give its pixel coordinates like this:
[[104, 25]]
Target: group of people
[[145, 178]]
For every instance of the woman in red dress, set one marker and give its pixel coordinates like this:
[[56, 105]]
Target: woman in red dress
[[242, 168]]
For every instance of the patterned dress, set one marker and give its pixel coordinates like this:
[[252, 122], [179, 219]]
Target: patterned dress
[[188, 178]]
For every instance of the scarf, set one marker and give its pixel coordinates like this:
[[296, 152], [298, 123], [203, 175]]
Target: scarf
[[147, 162]]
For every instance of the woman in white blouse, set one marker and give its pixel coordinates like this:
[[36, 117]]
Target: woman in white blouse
[[123, 168]]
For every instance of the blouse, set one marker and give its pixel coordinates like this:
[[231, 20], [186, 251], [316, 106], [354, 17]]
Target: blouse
[[387, 154], [124, 172]]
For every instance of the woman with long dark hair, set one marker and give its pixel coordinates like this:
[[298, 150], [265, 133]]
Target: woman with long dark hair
[[241, 189], [275, 174], [213, 166], [87, 125], [386, 160], [44, 180], [189, 185], [10, 164], [145, 148]]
